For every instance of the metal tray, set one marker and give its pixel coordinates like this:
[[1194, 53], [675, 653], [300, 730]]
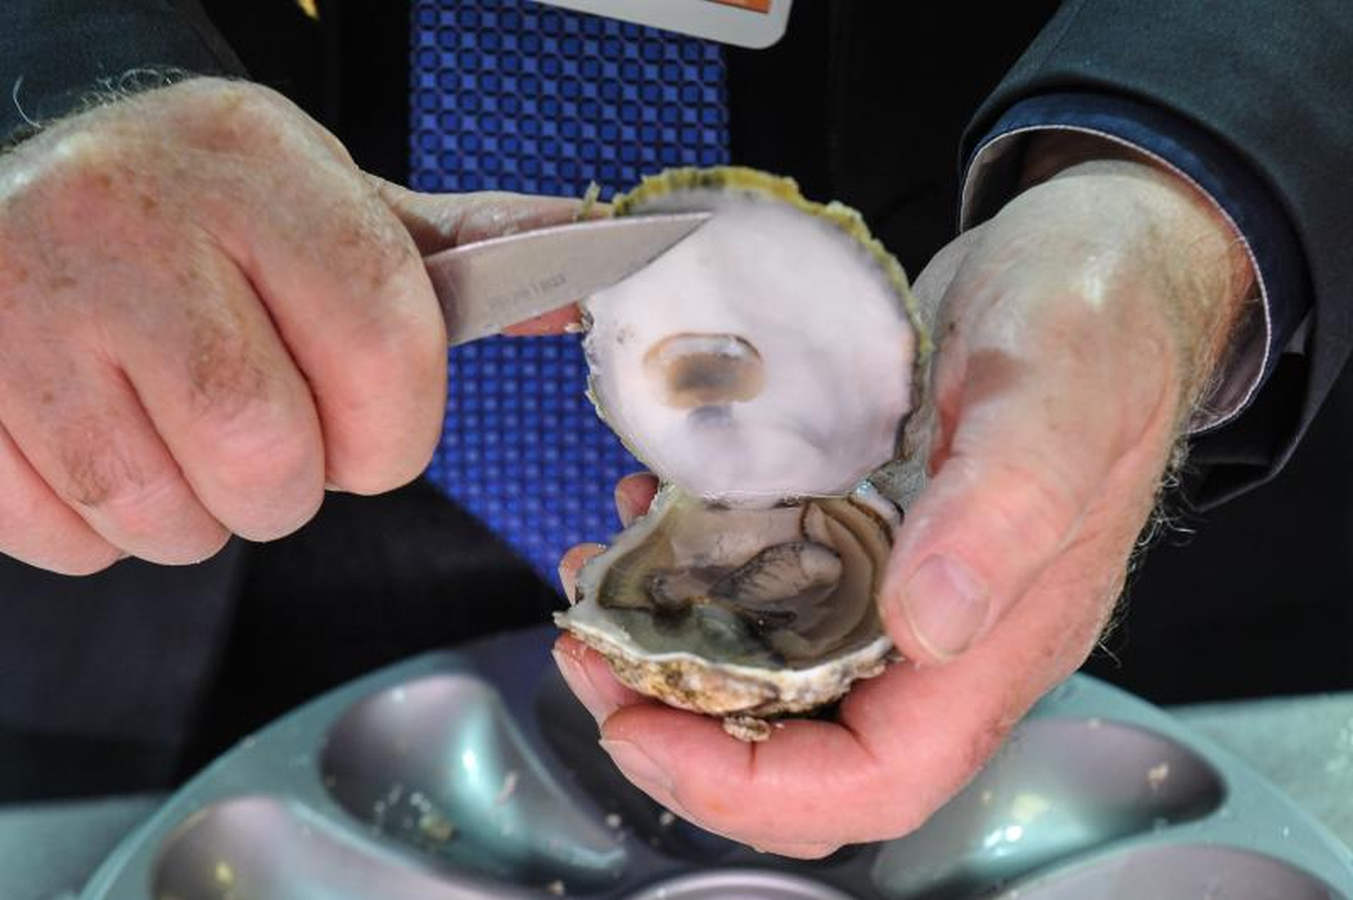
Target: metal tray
[[475, 774]]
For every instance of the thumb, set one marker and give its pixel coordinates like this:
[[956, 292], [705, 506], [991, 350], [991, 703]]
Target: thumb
[[1033, 417], [439, 221]]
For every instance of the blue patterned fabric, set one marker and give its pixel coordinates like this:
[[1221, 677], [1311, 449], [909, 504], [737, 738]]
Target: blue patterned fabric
[[513, 95]]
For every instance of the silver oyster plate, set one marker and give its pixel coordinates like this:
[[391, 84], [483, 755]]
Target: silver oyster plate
[[475, 774]]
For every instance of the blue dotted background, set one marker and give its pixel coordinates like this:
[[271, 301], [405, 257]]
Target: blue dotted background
[[514, 95]]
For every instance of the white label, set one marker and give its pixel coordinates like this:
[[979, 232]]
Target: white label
[[743, 23]]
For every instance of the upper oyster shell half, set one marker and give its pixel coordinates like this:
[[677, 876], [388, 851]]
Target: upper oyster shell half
[[763, 368]]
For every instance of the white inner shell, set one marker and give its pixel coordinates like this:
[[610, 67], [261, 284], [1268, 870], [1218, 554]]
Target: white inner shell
[[832, 335]]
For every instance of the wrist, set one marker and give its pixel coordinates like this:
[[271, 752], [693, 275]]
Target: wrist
[[1184, 242]]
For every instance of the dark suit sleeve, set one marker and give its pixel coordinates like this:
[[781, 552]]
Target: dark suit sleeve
[[55, 54], [1272, 84]]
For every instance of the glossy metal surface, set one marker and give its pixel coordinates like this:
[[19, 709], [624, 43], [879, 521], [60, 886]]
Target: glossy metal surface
[[261, 847], [1177, 872], [744, 884], [438, 764], [474, 774], [1059, 788], [485, 286]]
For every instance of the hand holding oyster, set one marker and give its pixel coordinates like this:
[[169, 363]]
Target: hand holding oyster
[[764, 368], [1078, 326]]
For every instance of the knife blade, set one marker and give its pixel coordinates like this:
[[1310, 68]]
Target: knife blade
[[485, 286]]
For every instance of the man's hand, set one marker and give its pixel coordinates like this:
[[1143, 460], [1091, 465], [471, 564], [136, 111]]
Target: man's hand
[[208, 313], [1075, 331]]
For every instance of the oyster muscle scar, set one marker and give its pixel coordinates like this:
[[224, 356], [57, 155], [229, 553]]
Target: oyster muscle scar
[[764, 368]]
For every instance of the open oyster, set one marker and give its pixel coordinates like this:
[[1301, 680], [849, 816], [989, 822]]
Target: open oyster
[[763, 368]]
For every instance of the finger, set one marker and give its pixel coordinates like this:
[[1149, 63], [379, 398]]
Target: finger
[[633, 495], [347, 292], [37, 528], [93, 444], [795, 788], [590, 679], [636, 767], [572, 562], [223, 393], [1036, 403], [439, 221]]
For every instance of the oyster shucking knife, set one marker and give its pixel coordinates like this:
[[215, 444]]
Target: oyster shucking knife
[[485, 286]]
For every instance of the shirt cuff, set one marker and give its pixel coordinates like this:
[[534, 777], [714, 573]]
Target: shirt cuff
[[1268, 326]]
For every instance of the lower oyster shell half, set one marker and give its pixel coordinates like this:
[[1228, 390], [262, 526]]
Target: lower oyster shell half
[[741, 613], [764, 369]]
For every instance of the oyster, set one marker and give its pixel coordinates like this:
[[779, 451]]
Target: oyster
[[763, 368]]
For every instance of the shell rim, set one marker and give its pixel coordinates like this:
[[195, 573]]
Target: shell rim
[[794, 689]]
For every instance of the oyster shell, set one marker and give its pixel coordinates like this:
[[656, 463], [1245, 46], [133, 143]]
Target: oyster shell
[[764, 369], [741, 613]]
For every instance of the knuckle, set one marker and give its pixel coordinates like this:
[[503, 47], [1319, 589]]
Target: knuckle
[[234, 114], [263, 119], [75, 181], [84, 201], [265, 453], [96, 473], [380, 261], [79, 151], [135, 500], [143, 500], [224, 379]]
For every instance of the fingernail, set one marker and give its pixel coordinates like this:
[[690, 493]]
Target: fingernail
[[946, 605], [625, 506], [637, 765], [572, 563], [598, 701], [568, 580]]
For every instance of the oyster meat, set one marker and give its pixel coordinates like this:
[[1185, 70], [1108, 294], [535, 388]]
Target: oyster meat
[[763, 368]]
